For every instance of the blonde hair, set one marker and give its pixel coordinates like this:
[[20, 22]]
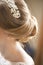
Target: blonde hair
[[21, 28]]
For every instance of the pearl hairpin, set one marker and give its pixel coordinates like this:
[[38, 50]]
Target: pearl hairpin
[[13, 7]]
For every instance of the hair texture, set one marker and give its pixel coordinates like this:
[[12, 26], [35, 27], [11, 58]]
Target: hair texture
[[21, 28]]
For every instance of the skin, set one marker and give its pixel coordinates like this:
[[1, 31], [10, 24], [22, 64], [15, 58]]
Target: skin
[[8, 47], [10, 51]]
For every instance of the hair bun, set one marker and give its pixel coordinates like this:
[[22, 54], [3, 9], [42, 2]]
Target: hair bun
[[22, 27]]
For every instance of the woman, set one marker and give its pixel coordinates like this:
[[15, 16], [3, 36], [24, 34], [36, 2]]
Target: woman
[[17, 25]]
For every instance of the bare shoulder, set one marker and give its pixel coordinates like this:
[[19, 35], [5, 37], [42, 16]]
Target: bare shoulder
[[27, 58]]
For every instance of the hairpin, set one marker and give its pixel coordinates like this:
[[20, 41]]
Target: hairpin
[[13, 7]]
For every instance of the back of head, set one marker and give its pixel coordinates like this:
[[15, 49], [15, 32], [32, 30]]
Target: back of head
[[21, 27]]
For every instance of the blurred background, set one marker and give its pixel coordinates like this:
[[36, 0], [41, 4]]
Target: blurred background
[[36, 9], [36, 44]]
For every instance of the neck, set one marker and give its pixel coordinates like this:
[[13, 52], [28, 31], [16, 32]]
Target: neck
[[11, 52], [8, 48]]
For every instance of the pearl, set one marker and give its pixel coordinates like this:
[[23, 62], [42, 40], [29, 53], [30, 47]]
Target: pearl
[[14, 9]]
